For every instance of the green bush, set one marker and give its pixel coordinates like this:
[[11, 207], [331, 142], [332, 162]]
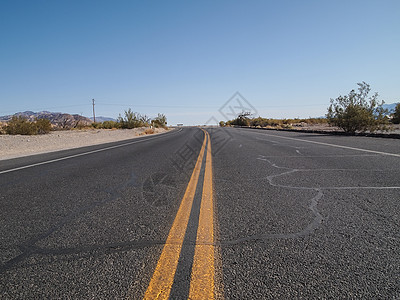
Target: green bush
[[106, 125], [134, 120], [241, 120], [43, 126], [261, 122], [130, 120], [145, 120], [20, 125], [110, 125], [160, 121], [97, 125], [396, 114], [355, 112], [2, 129]]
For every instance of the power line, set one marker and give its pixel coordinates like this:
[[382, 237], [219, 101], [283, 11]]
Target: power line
[[155, 106]]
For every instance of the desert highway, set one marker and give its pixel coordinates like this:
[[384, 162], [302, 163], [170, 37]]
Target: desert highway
[[222, 213]]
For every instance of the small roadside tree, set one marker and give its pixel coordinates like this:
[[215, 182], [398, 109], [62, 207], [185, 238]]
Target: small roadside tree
[[396, 115], [159, 121], [242, 119], [130, 120], [145, 120], [358, 112]]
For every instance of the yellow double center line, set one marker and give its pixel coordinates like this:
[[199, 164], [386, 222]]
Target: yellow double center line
[[203, 270]]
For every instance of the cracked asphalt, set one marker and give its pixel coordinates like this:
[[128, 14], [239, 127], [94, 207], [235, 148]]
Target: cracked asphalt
[[297, 215], [302, 219]]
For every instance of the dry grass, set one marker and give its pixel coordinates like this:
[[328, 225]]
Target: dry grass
[[149, 131]]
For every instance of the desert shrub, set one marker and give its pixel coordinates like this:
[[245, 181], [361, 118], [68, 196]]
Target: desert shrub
[[396, 115], [261, 122], [110, 125], [355, 112], [130, 120], [222, 124], [2, 129], [316, 120], [145, 120], [240, 122], [274, 122], [97, 125], [20, 125], [160, 121], [289, 121], [106, 125], [264, 122], [43, 126], [310, 121], [242, 119], [133, 120]]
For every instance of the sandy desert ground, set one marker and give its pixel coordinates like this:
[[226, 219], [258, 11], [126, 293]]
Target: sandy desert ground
[[12, 146]]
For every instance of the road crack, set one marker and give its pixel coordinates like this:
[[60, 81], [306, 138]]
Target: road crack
[[313, 207]]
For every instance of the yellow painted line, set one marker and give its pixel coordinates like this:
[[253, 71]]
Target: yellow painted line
[[203, 270], [164, 273]]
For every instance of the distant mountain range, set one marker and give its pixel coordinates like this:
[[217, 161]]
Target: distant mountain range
[[390, 107], [103, 119], [57, 119]]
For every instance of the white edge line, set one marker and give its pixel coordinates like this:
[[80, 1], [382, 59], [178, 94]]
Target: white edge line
[[82, 154], [331, 145]]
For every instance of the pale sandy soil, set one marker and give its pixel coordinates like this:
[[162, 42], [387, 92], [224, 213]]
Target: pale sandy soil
[[394, 129], [12, 146]]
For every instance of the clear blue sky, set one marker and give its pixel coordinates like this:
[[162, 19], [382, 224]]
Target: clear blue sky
[[187, 58]]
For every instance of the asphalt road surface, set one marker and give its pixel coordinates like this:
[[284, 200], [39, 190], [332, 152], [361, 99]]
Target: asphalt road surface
[[220, 213]]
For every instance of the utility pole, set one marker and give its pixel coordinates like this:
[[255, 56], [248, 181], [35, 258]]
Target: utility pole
[[94, 116]]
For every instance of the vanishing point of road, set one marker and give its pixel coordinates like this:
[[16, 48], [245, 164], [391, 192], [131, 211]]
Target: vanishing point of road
[[222, 213]]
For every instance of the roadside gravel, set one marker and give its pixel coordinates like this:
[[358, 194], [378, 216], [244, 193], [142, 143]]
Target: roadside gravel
[[12, 146], [393, 132]]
